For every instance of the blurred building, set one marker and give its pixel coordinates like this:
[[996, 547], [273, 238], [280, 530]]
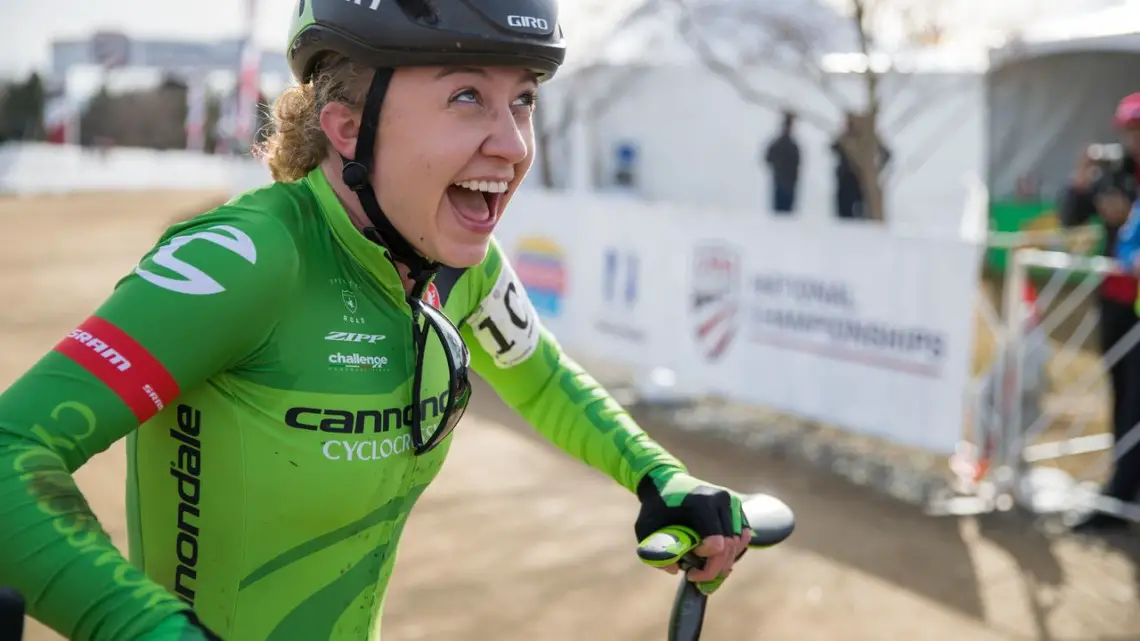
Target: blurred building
[[206, 58], [113, 63]]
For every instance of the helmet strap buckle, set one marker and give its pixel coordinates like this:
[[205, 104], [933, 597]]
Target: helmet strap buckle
[[354, 174]]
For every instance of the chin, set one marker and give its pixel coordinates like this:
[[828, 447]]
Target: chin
[[463, 253]]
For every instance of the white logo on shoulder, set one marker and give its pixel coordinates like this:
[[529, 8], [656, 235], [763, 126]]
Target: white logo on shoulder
[[194, 281], [505, 322]]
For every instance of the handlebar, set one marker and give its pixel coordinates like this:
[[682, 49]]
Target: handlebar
[[769, 518]]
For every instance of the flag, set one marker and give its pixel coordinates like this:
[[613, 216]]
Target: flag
[[249, 91], [61, 120], [196, 115], [249, 81]]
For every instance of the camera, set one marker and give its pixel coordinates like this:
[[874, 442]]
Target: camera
[[1107, 155]]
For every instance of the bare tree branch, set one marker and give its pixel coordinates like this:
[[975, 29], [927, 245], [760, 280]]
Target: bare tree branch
[[783, 43], [734, 78], [789, 42], [860, 18]]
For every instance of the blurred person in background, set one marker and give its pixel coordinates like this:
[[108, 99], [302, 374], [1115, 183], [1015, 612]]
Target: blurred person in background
[[783, 159], [286, 367], [848, 188], [1106, 194], [625, 174]]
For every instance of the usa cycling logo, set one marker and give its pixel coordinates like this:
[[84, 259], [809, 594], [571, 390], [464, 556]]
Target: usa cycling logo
[[715, 297]]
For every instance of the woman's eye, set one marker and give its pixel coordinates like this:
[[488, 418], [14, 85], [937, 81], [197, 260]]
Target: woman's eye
[[528, 99], [467, 96]]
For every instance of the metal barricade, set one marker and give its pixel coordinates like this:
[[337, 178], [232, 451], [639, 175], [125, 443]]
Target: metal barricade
[[1014, 440], [1035, 457]]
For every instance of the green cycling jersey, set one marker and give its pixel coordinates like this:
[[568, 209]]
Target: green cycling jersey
[[259, 361]]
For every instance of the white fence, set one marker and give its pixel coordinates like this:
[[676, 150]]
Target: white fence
[[43, 168], [860, 326]]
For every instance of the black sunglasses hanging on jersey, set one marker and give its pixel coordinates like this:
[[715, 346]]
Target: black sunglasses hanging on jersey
[[458, 366]]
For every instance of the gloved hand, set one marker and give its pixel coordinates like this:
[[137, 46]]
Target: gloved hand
[[671, 497], [184, 627]]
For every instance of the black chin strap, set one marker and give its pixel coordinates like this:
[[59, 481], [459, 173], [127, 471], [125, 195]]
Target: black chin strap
[[355, 174]]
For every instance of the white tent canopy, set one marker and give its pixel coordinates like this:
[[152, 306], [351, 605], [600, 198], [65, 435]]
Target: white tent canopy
[[1114, 28], [1053, 91]]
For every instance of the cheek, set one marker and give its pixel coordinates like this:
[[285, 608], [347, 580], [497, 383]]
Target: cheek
[[526, 129], [403, 187], [405, 166]]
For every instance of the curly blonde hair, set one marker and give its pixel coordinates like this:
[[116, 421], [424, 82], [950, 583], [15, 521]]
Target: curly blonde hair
[[297, 144]]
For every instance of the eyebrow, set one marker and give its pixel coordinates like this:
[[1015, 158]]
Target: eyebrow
[[525, 75]]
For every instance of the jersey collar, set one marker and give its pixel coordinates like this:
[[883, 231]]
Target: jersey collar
[[372, 257]]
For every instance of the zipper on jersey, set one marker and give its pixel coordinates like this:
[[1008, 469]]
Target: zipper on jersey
[[410, 358]]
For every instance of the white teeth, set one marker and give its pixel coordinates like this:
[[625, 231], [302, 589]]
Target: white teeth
[[492, 186]]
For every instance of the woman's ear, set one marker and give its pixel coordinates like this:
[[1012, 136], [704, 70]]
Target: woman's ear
[[341, 126]]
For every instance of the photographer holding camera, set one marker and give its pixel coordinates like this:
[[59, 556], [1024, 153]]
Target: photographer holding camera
[[1104, 187]]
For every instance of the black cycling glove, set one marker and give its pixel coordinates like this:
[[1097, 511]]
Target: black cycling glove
[[670, 496]]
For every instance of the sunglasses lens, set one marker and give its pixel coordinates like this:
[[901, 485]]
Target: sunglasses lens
[[443, 392]]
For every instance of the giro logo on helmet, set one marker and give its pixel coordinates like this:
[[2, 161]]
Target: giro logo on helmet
[[528, 22]]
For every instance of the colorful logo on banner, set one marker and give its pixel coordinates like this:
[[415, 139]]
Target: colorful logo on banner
[[620, 282], [716, 279], [541, 266], [619, 279]]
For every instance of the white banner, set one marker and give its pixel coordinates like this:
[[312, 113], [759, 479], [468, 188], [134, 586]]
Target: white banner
[[852, 325], [37, 168]]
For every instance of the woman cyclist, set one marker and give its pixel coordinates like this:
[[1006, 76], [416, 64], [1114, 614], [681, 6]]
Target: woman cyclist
[[286, 367]]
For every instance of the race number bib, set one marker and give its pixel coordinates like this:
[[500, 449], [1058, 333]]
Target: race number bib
[[506, 322]]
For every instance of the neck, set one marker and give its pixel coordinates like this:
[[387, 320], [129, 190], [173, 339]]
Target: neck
[[351, 204]]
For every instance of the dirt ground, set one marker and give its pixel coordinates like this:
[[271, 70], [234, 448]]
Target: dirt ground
[[542, 547]]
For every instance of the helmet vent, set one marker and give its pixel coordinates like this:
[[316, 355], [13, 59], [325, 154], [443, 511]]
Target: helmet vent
[[421, 10]]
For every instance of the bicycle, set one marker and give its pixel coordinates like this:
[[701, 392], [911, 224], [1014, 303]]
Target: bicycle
[[771, 521]]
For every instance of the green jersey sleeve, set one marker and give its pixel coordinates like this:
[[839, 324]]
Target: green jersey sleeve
[[527, 368], [203, 300]]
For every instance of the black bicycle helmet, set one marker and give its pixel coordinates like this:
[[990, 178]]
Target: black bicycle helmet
[[387, 34]]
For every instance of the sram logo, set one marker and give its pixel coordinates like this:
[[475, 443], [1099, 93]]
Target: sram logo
[[97, 345], [528, 22], [353, 337], [192, 280]]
